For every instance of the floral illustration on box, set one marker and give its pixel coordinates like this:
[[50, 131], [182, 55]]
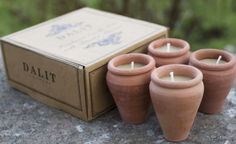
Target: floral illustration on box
[[59, 28], [112, 39]]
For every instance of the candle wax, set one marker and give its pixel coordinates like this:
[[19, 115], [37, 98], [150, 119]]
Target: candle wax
[[176, 78], [164, 48], [128, 66], [212, 61]]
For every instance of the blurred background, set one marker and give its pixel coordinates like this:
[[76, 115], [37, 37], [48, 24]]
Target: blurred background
[[203, 23]]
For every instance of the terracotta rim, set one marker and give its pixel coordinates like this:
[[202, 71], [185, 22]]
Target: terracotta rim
[[185, 47], [212, 53], [179, 69], [128, 58]]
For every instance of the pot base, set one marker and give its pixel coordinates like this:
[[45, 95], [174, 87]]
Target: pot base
[[211, 109], [179, 139], [133, 102]]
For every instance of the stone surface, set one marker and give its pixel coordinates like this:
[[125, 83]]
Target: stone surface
[[26, 121]]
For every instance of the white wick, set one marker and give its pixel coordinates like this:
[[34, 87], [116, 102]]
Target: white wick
[[172, 77], [168, 47], [132, 65], [218, 60]]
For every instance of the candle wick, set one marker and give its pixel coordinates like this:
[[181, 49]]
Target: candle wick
[[168, 47], [218, 60], [132, 65], [172, 76]]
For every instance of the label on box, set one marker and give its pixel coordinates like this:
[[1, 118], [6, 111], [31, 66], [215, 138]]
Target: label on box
[[85, 36]]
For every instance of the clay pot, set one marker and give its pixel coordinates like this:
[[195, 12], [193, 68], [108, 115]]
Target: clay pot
[[163, 58], [129, 88], [176, 103], [218, 78]]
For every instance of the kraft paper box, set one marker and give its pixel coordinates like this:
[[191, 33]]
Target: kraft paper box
[[62, 62]]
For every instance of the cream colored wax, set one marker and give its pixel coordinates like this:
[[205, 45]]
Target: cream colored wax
[[168, 48], [176, 78], [128, 66], [212, 61]]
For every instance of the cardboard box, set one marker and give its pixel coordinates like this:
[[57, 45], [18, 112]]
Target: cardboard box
[[62, 62]]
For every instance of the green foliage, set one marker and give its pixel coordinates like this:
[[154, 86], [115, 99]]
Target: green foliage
[[204, 23]]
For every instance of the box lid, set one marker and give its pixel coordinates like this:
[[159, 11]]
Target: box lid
[[84, 36]]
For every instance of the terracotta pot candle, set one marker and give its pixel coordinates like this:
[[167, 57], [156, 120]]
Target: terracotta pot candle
[[176, 92], [218, 68], [128, 78], [169, 51]]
